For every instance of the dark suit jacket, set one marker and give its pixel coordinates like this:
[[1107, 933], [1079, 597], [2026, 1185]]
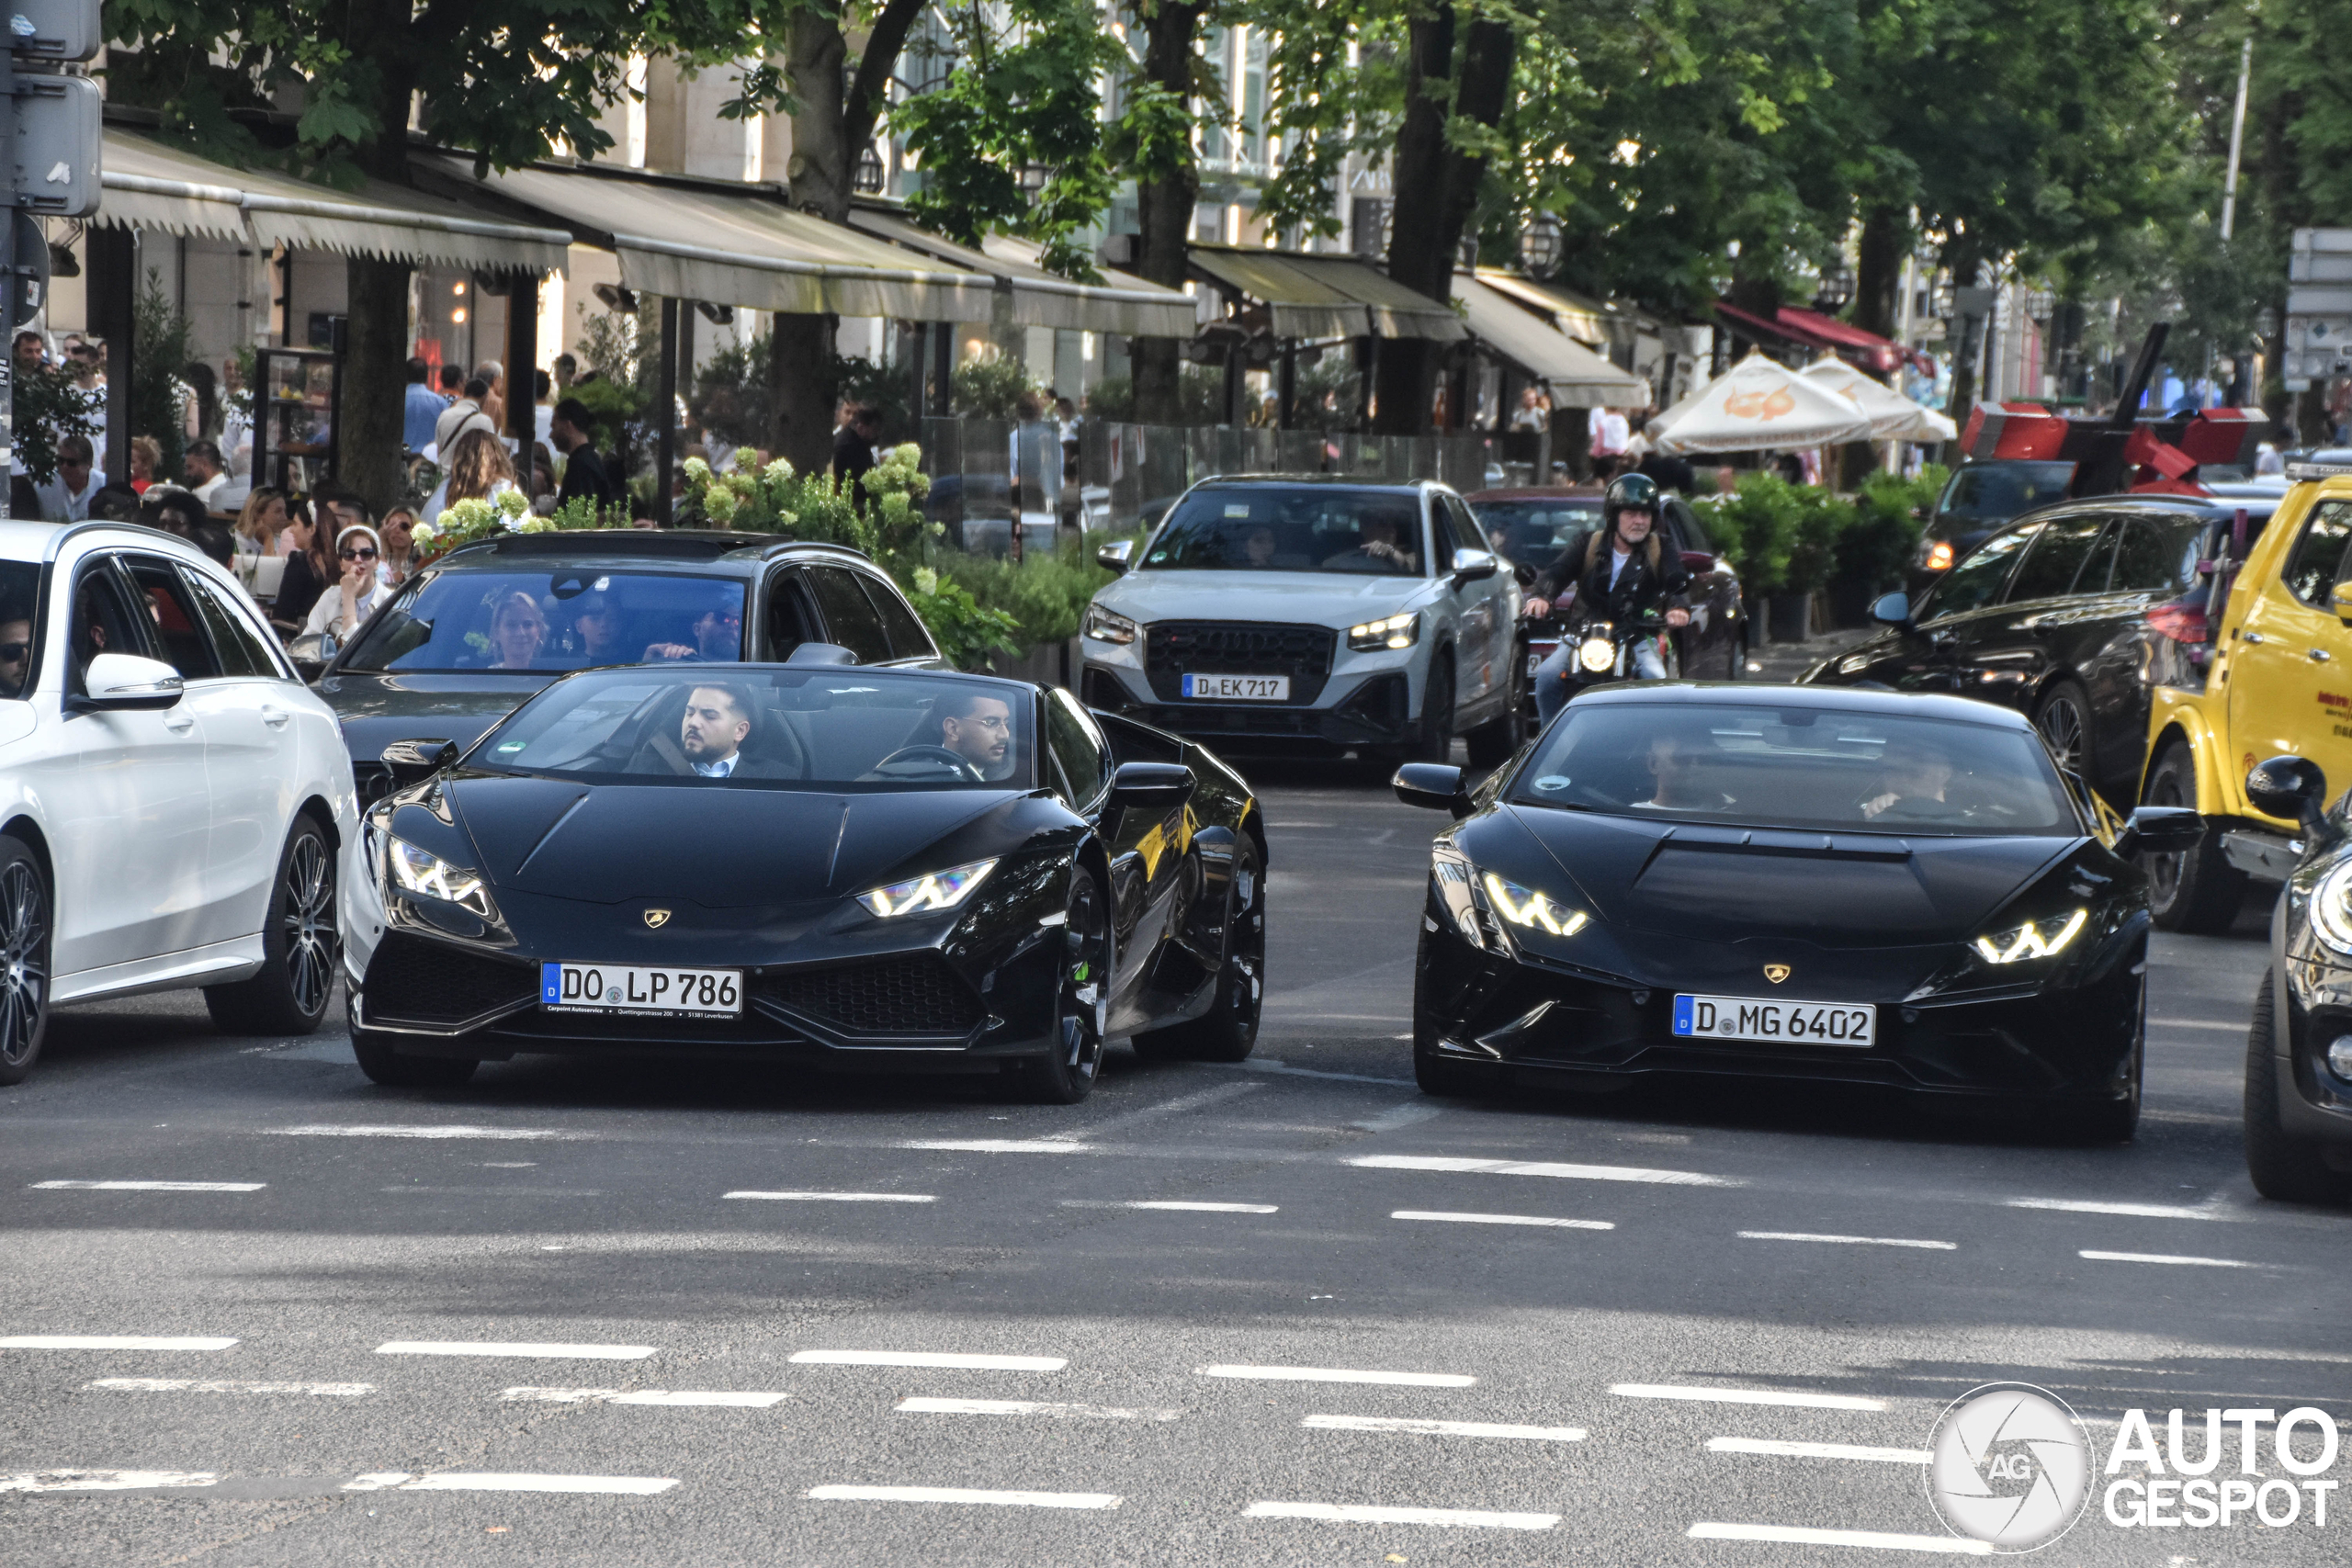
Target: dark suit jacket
[[584, 479]]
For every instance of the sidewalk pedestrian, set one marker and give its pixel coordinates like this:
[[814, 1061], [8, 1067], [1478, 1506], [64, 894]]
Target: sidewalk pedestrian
[[399, 561], [422, 408], [259, 524], [206, 478], [479, 468], [465, 414], [585, 477], [67, 497], [344, 608], [307, 572]]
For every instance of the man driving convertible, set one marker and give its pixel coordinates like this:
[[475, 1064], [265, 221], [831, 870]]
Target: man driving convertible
[[1618, 573]]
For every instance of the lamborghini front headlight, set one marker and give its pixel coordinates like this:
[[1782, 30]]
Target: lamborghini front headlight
[[2034, 939], [929, 894], [427, 876]]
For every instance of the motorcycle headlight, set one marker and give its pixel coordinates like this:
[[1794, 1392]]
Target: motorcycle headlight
[[2035, 939], [1526, 906], [2332, 908], [1109, 625], [928, 894], [1597, 654], [1397, 631], [427, 876]]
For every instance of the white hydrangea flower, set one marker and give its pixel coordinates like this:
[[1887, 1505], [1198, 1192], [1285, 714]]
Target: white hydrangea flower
[[926, 580]]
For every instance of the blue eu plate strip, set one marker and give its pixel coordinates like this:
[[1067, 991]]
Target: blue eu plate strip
[[1682, 1015], [550, 982]]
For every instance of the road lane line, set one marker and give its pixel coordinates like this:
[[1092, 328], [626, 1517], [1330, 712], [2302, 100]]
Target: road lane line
[[227, 1386], [1883, 1539], [836, 1197], [149, 1186], [2136, 1211], [929, 1359], [1444, 1428], [1781, 1449], [963, 1495], [1337, 1374], [485, 1481], [927, 1405], [2173, 1258], [997, 1146], [1176, 1204], [110, 1342], [1363, 1514], [333, 1129], [1502, 1220], [642, 1396], [103, 1480], [1789, 1397], [1540, 1167], [495, 1347], [1848, 1240]]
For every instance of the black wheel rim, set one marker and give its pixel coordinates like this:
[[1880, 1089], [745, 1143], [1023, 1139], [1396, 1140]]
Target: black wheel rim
[[2061, 726], [309, 923], [1086, 981], [24, 963], [2164, 871]]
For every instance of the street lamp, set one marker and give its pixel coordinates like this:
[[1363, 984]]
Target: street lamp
[[1836, 290], [2039, 303], [871, 176], [1034, 177], [1939, 300], [1539, 244]]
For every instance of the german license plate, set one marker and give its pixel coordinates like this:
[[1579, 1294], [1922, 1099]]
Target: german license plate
[[649, 993], [1788, 1023], [1238, 688]]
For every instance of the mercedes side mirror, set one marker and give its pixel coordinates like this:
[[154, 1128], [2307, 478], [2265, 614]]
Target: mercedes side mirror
[[311, 654], [1894, 610], [1474, 566], [2292, 787], [119, 682], [1116, 555], [1149, 786], [413, 762], [1434, 785], [2161, 830]]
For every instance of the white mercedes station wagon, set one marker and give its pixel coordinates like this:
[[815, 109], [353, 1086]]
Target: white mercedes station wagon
[[1305, 615], [175, 805]]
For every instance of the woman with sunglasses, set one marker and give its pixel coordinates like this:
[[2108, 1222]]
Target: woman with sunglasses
[[344, 608], [399, 546]]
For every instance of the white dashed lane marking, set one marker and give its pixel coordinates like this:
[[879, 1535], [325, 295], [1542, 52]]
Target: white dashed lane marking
[[2180, 1260], [1795, 1534], [1177, 1205], [494, 1347], [1776, 1448], [1503, 1219], [964, 1494], [149, 1186], [227, 1386], [837, 1197], [1790, 1398], [329, 1130], [929, 1359], [1365, 1514], [1847, 1240], [111, 1342], [925, 1405], [1337, 1374], [997, 1146], [1443, 1428], [2136, 1211], [486, 1481], [1542, 1167], [103, 1480], [642, 1396]]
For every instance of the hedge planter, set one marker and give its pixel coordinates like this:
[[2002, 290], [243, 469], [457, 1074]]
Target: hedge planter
[[1788, 616]]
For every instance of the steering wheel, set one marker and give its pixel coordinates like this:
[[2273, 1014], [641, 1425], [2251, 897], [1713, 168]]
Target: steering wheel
[[1925, 808], [964, 768]]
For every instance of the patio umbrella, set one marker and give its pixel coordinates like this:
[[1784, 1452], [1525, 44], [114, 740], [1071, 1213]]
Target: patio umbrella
[[1892, 416], [1760, 404]]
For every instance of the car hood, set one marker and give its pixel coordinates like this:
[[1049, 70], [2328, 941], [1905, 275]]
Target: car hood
[[733, 849], [1721, 884], [376, 710], [1324, 598]]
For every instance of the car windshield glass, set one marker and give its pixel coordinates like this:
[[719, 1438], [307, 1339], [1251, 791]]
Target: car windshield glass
[[1995, 493], [773, 727], [1797, 767], [1534, 532], [20, 588], [553, 618], [1309, 528]]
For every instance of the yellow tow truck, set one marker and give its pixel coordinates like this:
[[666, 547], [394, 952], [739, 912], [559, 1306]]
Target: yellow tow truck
[[2275, 677]]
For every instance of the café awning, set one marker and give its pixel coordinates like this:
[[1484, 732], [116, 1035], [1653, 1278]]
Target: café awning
[[1578, 376], [1127, 307], [1595, 323], [687, 239], [1326, 297], [146, 184]]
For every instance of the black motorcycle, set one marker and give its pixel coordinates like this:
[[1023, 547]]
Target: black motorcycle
[[1604, 651]]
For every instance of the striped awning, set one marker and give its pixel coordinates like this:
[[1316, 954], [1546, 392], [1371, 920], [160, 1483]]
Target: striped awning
[[1126, 307], [1324, 297]]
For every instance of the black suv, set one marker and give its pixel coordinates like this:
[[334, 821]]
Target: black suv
[[466, 640], [2067, 615]]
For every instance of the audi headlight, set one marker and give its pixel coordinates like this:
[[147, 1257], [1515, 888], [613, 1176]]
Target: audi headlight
[[1526, 906], [1397, 631], [2332, 908], [1109, 625], [929, 894], [427, 876], [1596, 653], [2035, 939]]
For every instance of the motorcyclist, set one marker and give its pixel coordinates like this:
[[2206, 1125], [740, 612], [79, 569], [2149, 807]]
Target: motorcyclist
[[1617, 573]]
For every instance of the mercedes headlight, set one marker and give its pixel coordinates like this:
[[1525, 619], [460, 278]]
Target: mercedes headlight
[[930, 894], [1109, 625], [2035, 939], [1596, 653], [427, 876], [1526, 906], [1397, 631], [2332, 908]]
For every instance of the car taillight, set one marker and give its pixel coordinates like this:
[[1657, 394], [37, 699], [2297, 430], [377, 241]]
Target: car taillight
[[2182, 621]]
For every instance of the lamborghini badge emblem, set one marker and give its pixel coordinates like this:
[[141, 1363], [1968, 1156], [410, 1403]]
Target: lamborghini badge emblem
[[657, 918], [1776, 972]]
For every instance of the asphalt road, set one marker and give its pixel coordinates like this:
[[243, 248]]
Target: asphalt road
[[657, 1364]]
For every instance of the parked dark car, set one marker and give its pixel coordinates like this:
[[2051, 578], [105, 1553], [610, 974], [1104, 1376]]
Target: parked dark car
[[467, 640], [1980, 497], [2068, 616], [1530, 527]]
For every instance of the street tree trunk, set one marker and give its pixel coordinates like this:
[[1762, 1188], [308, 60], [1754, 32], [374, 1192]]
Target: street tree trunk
[[376, 324], [1880, 277], [1164, 200], [1437, 190]]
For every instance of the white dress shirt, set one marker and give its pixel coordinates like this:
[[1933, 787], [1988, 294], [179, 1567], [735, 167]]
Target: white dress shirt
[[722, 769]]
